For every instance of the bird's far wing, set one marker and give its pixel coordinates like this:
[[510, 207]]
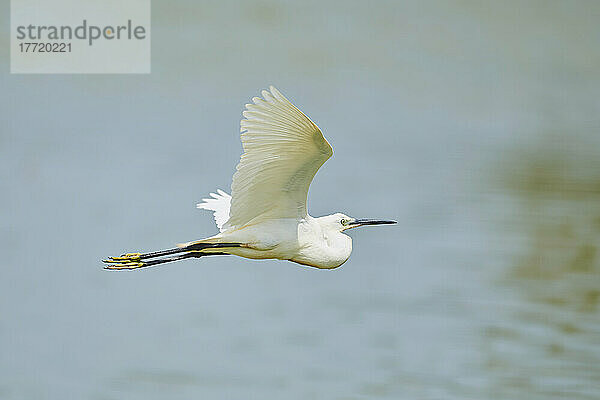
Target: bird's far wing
[[283, 149], [219, 203]]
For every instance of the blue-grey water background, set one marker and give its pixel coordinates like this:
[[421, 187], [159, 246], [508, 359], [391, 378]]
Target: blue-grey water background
[[475, 124]]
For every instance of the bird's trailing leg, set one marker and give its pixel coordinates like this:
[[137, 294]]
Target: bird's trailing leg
[[135, 263], [142, 260], [151, 263]]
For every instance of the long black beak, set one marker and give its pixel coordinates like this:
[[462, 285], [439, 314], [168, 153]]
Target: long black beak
[[365, 221]]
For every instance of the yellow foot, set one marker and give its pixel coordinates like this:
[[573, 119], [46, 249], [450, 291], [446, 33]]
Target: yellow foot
[[125, 261]]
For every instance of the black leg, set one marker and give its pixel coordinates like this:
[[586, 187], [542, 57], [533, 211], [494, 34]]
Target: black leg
[[193, 247], [137, 263]]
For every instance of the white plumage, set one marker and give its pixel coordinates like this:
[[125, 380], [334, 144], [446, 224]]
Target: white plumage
[[266, 215], [219, 203], [283, 149]]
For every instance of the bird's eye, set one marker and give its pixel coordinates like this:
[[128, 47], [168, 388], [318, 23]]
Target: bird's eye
[[344, 221]]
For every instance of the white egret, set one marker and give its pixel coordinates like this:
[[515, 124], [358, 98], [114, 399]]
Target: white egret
[[265, 216]]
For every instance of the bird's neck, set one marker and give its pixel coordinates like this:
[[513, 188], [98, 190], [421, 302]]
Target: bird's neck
[[335, 246], [338, 247], [321, 247]]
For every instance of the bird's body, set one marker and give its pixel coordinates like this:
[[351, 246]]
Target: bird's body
[[266, 215], [307, 241]]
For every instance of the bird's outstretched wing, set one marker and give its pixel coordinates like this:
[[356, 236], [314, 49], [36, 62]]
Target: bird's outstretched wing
[[283, 149]]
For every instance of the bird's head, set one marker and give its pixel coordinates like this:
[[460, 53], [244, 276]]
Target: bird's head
[[341, 222]]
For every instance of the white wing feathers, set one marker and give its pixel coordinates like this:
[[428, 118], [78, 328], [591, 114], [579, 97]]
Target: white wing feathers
[[219, 203], [283, 149]]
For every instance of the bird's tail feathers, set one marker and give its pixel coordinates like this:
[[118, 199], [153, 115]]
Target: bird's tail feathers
[[198, 243], [208, 243]]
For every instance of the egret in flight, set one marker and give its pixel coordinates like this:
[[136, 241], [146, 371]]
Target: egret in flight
[[265, 216]]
